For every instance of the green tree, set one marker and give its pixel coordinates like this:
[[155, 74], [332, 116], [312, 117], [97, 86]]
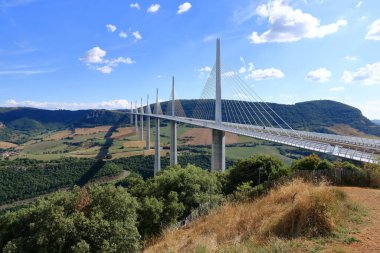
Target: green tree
[[93, 219], [255, 169], [307, 163]]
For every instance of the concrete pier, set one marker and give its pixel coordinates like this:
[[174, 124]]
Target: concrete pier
[[218, 158], [136, 126], [141, 122], [148, 112], [173, 131], [157, 151]]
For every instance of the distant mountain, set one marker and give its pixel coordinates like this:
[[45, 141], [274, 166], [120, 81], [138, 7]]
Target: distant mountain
[[18, 124], [376, 121]]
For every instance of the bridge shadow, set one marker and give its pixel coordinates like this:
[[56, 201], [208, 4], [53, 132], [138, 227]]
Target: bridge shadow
[[102, 154]]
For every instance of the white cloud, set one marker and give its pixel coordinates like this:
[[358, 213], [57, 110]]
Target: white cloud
[[320, 75], [359, 4], [105, 69], [23, 72], [205, 70], [135, 6], [351, 58], [184, 7], [94, 55], [137, 35], [374, 31], [229, 73], [123, 35], [242, 70], [115, 62], [111, 105], [94, 58], [242, 60], [111, 28], [263, 74], [337, 89], [367, 75], [153, 8], [288, 25]]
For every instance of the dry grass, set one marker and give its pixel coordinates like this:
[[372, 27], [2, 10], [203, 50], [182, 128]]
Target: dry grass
[[202, 136], [59, 135], [122, 132], [134, 144], [343, 129], [92, 130], [7, 145], [294, 210]]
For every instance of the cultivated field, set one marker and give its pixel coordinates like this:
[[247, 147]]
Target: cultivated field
[[202, 136]]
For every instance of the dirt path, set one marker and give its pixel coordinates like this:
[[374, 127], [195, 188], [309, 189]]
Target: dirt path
[[369, 232]]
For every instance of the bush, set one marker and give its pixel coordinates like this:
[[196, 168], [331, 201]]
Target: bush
[[307, 163], [373, 171], [93, 219], [255, 170], [171, 195]]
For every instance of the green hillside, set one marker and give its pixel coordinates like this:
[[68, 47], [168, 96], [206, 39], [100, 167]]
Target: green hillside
[[20, 124]]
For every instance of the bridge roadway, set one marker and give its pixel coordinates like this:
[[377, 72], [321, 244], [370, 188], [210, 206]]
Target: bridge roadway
[[355, 148]]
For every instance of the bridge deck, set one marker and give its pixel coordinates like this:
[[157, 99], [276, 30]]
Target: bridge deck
[[355, 148]]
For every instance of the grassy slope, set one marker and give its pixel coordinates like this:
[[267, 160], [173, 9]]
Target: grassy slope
[[274, 223]]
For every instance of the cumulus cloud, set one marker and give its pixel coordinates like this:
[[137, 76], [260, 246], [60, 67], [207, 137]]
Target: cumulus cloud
[[184, 7], [137, 35], [105, 69], [94, 58], [153, 8], [242, 70], [367, 75], [351, 58], [374, 31], [263, 74], [111, 28], [337, 89], [135, 6], [94, 55], [320, 75], [111, 105], [288, 25], [123, 35], [205, 70]]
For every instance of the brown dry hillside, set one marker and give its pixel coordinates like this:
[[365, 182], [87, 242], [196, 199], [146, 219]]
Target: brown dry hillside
[[202, 136], [314, 215]]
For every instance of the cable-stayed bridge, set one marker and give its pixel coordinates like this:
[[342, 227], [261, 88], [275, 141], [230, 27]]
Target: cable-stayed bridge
[[241, 111]]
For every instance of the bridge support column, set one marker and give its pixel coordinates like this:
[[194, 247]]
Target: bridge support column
[[136, 126], [141, 127], [218, 157], [157, 151], [147, 133], [173, 131], [173, 143]]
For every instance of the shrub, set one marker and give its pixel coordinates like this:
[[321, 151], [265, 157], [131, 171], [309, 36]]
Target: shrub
[[93, 219], [255, 170], [307, 163], [353, 175]]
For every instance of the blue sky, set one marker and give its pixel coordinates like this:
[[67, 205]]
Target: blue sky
[[78, 54]]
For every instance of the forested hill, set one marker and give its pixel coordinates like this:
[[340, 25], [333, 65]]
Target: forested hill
[[313, 115]]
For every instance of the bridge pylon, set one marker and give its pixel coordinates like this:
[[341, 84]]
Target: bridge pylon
[[136, 126], [141, 121], [148, 112], [173, 131], [157, 151], [218, 157]]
